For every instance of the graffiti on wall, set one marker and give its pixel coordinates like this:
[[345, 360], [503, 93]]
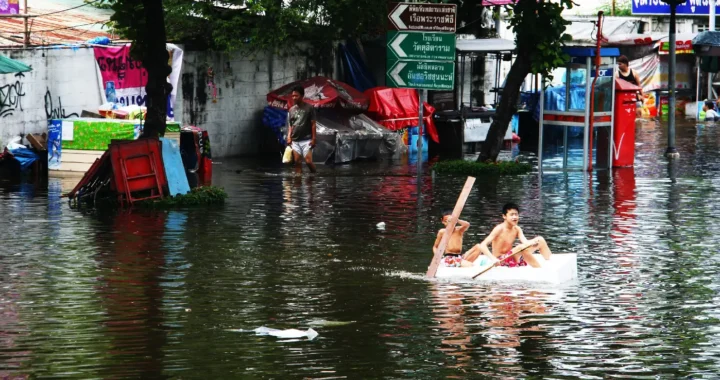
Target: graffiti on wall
[[11, 97], [53, 112]]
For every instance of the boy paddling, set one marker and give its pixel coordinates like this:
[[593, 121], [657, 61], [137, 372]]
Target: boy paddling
[[453, 256], [502, 239]]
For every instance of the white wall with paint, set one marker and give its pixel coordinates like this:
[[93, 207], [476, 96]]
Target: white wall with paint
[[233, 118], [63, 83]]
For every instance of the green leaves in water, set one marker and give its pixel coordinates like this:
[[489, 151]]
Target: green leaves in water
[[199, 196]]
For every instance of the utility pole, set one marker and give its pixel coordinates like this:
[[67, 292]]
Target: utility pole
[[671, 151], [711, 27]]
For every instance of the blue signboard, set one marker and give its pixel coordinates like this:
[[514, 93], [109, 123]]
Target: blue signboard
[[603, 73], [688, 8]]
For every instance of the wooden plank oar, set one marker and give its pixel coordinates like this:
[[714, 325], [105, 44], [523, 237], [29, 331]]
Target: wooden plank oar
[[432, 269], [506, 256]]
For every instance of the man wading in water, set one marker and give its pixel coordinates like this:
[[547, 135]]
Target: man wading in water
[[301, 130]]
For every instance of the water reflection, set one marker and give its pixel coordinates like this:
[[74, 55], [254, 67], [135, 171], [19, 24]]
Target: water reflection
[[155, 294]]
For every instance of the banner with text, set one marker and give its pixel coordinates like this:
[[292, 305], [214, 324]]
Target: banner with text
[[124, 78], [658, 7]]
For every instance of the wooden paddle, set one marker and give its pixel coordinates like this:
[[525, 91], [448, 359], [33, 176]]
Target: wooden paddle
[[506, 256], [432, 269]]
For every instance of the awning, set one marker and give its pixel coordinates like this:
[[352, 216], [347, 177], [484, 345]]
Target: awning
[[11, 66], [486, 45], [707, 43], [584, 33]]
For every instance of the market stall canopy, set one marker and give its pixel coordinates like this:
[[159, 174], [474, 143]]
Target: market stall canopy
[[487, 45], [397, 108], [321, 92], [584, 33], [634, 39], [707, 43], [11, 66]]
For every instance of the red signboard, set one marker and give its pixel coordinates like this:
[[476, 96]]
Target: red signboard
[[423, 17], [681, 47]]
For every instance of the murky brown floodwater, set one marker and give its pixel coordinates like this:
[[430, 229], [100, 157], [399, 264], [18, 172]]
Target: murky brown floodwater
[[158, 295]]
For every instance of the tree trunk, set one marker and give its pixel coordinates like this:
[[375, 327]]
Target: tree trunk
[[155, 60], [505, 109]]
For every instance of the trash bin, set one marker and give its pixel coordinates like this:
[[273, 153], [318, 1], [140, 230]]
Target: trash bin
[[450, 128], [624, 128]]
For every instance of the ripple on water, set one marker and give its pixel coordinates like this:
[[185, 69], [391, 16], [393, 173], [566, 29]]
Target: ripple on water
[[158, 294]]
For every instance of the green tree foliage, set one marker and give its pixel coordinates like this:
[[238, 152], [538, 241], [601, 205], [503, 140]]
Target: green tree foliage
[[272, 25], [143, 22], [539, 37], [622, 8]]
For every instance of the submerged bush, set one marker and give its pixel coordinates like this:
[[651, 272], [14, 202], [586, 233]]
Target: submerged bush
[[199, 196], [473, 168]]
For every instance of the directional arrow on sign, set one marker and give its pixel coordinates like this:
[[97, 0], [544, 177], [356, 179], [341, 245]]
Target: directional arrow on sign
[[423, 46], [395, 45], [395, 16], [395, 73]]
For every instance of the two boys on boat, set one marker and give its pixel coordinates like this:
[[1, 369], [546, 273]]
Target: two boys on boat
[[501, 238]]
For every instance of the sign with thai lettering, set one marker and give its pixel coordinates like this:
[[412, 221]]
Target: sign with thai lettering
[[658, 7], [423, 17], [423, 75], [422, 46], [681, 47]]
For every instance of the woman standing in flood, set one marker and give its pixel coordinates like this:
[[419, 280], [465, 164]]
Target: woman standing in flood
[[629, 75]]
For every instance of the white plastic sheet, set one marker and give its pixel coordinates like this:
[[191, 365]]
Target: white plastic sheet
[[283, 334]]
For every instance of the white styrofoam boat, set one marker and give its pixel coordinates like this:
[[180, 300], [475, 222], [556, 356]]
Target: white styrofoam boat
[[561, 267]]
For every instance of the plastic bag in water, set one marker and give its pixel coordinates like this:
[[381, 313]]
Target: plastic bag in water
[[286, 334]]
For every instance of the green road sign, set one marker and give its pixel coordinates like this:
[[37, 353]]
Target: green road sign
[[424, 46], [421, 75]]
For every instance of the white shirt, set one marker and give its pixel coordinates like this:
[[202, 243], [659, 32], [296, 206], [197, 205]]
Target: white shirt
[[711, 115]]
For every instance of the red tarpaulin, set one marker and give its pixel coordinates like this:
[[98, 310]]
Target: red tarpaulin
[[397, 108], [320, 92]]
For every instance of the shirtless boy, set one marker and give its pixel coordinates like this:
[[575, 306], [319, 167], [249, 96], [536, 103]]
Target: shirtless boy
[[503, 237], [453, 256]]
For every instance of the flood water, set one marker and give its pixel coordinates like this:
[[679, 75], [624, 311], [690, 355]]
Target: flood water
[[169, 294]]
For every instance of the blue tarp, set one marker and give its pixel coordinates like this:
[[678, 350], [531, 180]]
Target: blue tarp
[[174, 169], [555, 98], [276, 119], [356, 72], [25, 157]]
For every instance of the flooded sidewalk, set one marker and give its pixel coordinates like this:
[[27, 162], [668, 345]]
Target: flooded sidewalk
[[142, 294]]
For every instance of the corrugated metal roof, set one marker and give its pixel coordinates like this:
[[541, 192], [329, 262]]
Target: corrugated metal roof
[[69, 27]]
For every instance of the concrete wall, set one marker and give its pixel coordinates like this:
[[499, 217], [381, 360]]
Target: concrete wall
[[63, 82], [233, 118]]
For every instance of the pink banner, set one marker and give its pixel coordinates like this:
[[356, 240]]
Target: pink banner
[[9, 7], [489, 3], [124, 79], [117, 66]]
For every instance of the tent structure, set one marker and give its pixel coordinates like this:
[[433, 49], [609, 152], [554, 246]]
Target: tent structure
[[320, 92], [397, 108], [11, 66]]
